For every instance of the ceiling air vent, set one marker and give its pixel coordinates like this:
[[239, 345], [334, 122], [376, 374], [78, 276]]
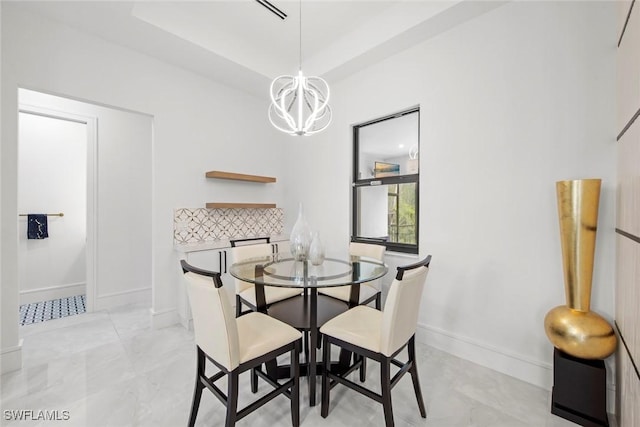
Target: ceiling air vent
[[271, 8]]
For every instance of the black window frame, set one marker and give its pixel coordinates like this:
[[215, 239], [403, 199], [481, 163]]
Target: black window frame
[[389, 180]]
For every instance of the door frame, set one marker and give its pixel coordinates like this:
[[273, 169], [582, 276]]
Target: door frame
[[91, 123]]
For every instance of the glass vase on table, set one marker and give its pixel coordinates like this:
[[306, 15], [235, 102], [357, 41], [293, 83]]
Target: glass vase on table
[[316, 250], [300, 238]]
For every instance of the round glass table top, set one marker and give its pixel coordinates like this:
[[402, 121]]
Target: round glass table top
[[287, 272]]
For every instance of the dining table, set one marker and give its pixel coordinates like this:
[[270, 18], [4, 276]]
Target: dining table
[[309, 310]]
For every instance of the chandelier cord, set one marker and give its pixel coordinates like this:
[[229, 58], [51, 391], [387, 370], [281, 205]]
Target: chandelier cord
[[300, 35]]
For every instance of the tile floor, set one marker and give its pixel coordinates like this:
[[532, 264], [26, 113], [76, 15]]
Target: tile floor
[[42, 311], [111, 369]]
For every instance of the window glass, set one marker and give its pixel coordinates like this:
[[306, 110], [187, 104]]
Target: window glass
[[386, 180], [388, 148], [388, 213]]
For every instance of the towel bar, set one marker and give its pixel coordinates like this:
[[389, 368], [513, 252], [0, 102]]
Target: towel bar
[[52, 214]]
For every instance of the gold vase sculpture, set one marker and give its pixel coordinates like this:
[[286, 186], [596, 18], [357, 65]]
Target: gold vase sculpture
[[572, 328]]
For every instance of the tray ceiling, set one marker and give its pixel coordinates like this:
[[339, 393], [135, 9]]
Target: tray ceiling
[[241, 44]]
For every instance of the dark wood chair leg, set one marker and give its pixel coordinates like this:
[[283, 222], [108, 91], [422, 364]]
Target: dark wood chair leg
[[385, 383], [326, 359], [238, 306], [295, 389], [197, 392], [345, 359], [272, 368], [379, 301], [254, 381], [305, 336], [363, 369], [232, 398], [414, 375]]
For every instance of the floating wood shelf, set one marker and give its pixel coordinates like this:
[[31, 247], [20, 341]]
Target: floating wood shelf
[[239, 176], [240, 205]]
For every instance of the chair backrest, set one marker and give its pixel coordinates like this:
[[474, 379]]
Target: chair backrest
[[368, 250], [241, 253], [214, 322], [372, 251], [400, 314]]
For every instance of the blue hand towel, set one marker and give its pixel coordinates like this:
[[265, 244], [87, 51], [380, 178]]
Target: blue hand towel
[[37, 226]]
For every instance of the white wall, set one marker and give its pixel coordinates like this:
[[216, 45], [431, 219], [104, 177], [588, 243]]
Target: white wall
[[52, 177], [199, 125], [511, 102]]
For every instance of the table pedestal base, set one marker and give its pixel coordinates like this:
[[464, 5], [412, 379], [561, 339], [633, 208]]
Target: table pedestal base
[[308, 312]]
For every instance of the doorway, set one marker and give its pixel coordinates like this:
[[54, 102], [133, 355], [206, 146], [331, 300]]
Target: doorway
[[105, 212]]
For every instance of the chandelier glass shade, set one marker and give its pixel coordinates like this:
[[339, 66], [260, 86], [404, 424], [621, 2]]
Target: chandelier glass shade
[[299, 104]]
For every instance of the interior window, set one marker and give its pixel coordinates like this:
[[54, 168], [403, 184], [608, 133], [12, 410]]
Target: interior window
[[386, 179]]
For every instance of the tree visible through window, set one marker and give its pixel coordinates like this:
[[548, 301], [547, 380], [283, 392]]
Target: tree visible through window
[[402, 214]]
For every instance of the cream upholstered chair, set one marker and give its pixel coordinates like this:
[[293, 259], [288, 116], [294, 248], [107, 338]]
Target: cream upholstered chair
[[379, 336], [370, 291], [236, 345], [245, 291]]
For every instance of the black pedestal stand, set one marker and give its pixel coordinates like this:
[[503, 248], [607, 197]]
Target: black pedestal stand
[[579, 390]]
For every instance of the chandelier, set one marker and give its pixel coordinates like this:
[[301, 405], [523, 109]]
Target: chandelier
[[299, 104]]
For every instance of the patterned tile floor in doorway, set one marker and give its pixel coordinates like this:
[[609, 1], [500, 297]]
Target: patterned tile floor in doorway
[[53, 309]]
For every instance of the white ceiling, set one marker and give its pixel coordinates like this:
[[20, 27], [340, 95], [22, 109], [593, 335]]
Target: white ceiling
[[241, 44]]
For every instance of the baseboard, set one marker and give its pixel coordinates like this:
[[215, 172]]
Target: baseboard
[[187, 323], [11, 358], [118, 299], [53, 292], [525, 369], [531, 371], [164, 318]]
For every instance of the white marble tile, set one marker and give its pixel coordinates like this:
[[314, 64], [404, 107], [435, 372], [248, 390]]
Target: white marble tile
[[131, 319], [26, 380], [60, 382], [149, 349], [111, 369], [52, 344], [485, 416], [511, 396], [166, 391], [63, 322], [113, 405]]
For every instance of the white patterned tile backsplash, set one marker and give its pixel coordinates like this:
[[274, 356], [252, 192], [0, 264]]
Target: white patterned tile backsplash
[[199, 225]]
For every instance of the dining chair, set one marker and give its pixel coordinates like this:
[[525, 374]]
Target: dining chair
[[245, 291], [370, 291], [236, 345], [379, 335]]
